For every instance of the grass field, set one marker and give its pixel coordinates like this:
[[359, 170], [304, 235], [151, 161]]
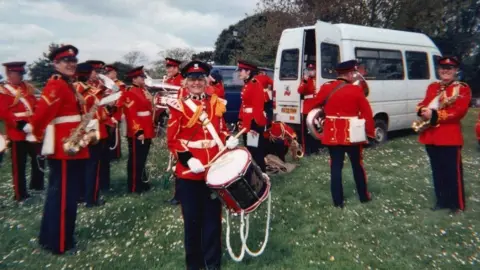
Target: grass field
[[395, 231]]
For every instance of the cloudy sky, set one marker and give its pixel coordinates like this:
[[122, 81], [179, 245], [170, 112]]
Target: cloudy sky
[[107, 29]]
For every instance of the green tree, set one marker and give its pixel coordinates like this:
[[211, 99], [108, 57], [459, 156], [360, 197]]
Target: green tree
[[205, 56], [41, 69]]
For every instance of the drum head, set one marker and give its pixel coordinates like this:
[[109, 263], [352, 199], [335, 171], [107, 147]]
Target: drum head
[[229, 167], [3, 143]]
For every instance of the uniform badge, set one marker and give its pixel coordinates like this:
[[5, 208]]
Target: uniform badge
[[195, 66]]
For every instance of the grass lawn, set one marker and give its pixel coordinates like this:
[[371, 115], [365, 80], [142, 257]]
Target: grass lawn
[[396, 230]]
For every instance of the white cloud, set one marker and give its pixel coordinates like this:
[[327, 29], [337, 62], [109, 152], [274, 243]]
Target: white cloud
[[108, 29]]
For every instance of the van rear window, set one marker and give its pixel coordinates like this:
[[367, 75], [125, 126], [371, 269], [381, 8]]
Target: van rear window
[[381, 64], [417, 63], [289, 64], [330, 58]]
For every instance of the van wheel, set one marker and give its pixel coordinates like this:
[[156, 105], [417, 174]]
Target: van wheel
[[380, 131]]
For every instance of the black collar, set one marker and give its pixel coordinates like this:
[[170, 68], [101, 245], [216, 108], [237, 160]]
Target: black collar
[[343, 79], [197, 96]]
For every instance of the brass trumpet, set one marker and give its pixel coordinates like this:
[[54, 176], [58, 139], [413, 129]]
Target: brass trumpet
[[296, 149]]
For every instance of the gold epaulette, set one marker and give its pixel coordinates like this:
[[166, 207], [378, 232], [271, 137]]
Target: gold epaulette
[[119, 83], [2, 90], [464, 84], [128, 88], [254, 80]]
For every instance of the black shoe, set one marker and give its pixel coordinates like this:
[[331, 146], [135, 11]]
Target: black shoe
[[81, 200], [174, 201], [341, 206], [454, 211], [99, 202], [366, 200]]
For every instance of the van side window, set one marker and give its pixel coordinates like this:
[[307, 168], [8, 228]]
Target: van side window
[[330, 57], [230, 79], [381, 64], [417, 64], [289, 65], [435, 65]]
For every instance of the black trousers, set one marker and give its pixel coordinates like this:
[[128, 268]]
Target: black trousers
[[104, 165], [113, 136], [137, 159], [277, 148], [310, 145], [447, 172], [202, 225], [60, 211], [258, 153], [95, 172], [20, 151], [337, 157]]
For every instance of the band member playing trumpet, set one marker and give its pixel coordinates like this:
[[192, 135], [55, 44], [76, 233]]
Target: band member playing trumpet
[[196, 132], [58, 113], [345, 102], [18, 96], [252, 114], [136, 103], [97, 66], [307, 91], [444, 106], [114, 139], [97, 169]]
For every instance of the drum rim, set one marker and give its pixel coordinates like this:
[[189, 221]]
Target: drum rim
[[226, 184], [3, 143]]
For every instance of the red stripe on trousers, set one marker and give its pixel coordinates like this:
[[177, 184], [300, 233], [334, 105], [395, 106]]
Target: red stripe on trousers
[[134, 165], [63, 205], [461, 203], [15, 171], [97, 181]]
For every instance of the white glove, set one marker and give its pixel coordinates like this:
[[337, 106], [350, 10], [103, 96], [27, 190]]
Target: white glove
[[232, 142], [195, 165], [28, 128]]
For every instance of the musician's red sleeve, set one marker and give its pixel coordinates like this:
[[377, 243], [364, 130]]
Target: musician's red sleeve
[[258, 105], [6, 115], [173, 128], [46, 108], [306, 88], [431, 90], [454, 113], [366, 113], [320, 96]]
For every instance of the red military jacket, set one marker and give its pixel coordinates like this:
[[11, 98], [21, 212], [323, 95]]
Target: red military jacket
[[59, 103], [91, 97], [137, 106], [348, 101], [266, 83], [117, 114], [21, 104], [186, 135], [217, 89], [307, 90], [6, 115], [446, 130], [252, 107], [177, 80], [282, 131]]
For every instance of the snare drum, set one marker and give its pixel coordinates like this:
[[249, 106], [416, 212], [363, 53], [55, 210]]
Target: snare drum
[[3, 143], [237, 182]]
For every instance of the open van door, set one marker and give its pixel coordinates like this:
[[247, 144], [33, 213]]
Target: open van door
[[328, 39]]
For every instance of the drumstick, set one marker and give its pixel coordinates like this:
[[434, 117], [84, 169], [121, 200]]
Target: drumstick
[[218, 154]]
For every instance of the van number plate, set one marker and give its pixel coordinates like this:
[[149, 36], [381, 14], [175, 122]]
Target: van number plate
[[289, 110]]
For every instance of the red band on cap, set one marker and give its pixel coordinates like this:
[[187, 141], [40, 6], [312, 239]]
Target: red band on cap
[[196, 69], [244, 66], [64, 54], [21, 69]]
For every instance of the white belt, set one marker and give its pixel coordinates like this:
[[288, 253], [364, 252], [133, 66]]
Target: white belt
[[66, 119], [308, 96], [22, 114], [248, 110], [48, 147], [141, 114], [342, 117], [202, 144]]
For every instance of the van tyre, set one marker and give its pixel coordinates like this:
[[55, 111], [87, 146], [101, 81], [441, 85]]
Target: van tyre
[[380, 131]]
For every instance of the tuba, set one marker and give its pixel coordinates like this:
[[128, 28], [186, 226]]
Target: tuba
[[316, 117]]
